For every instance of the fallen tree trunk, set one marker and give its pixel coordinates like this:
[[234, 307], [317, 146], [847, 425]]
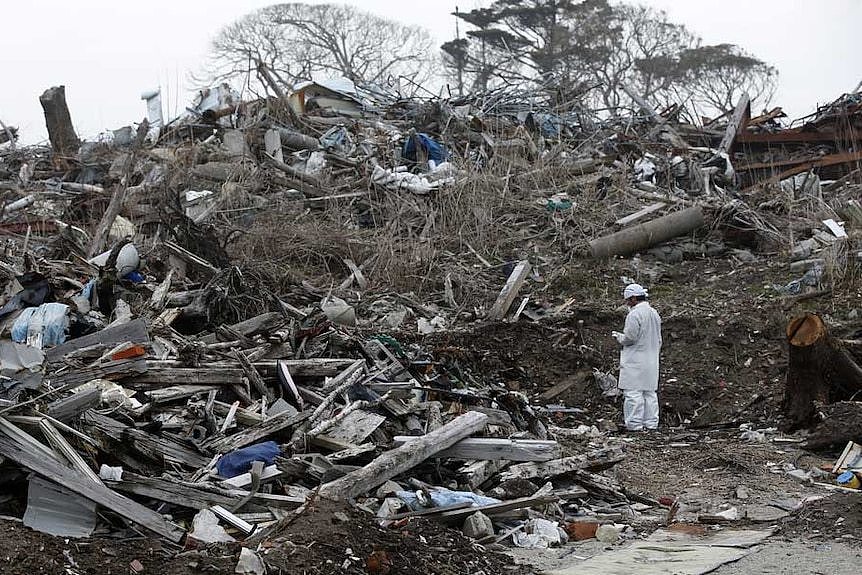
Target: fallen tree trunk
[[648, 234], [819, 369]]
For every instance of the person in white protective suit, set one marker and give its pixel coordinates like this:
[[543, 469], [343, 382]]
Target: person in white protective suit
[[641, 343]]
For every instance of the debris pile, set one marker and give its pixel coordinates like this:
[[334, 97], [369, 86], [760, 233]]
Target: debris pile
[[214, 325]]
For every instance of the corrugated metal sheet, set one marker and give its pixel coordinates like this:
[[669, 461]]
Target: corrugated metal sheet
[[54, 510]]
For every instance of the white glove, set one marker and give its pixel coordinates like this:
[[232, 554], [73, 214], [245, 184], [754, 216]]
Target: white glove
[[618, 336]]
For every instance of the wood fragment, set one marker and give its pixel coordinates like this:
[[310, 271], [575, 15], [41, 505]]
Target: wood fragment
[[403, 458], [510, 291], [495, 448]]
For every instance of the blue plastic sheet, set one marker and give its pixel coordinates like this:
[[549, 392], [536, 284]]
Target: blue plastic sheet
[[239, 461], [432, 149], [51, 319]]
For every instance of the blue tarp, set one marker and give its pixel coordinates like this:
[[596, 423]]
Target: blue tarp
[[432, 149], [239, 461], [51, 319]]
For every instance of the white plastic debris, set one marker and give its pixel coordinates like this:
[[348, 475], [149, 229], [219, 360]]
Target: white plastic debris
[[109, 473], [395, 180], [338, 311], [538, 534], [426, 327], [205, 528], [249, 562]]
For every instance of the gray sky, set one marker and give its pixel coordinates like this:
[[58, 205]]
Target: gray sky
[[108, 52]]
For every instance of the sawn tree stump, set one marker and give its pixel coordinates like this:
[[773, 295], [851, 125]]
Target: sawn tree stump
[[819, 370]]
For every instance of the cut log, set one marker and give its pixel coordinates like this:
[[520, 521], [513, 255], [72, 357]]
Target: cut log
[[405, 457], [819, 369], [595, 460], [492, 448], [510, 291], [648, 234], [61, 132]]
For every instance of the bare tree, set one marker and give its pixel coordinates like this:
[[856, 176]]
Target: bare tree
[[286, 43], [716, 76], [601, 50]]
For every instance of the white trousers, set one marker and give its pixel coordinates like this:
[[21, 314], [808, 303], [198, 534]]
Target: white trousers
[[640, 409]]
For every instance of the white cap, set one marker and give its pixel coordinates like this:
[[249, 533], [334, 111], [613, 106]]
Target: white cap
[[635, 290]]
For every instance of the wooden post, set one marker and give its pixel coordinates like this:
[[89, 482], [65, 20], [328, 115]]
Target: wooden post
[[510, 291], [405, 457], [738, 120], [61, 132], [642, 236]]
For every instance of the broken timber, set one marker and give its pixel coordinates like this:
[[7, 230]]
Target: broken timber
[[510, 291], [405, 457], [494, 449], [50, 468], [601, 458]]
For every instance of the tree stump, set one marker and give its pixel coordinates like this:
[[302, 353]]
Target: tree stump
[[61, 132], [819, 370]]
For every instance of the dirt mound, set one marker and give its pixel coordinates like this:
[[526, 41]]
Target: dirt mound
[[330, 539], [25, 551], [831, 518]]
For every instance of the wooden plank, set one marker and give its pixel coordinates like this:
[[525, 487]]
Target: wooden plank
[[244, 479], [171, 376], [640, 214], [562, 387], [316, 367], [510, 291], [252, 326], [484, 448], [113, 370], [67, 408], [65, 449], [288, 384], [356, 426], [133, 332], [172, 492], [161, 449], [405, 457], [736, 123], [475, 473], [459, 515], [53, 470], [232, 519], [254, 434], [599, 458]]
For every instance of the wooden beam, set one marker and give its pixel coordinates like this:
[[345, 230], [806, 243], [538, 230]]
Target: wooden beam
[[510, 291], [459, 515], [133, 332], [601, 458], [253, 434], [483, 448], [53, 470], [640, 214], [405, 457], [736, 123]]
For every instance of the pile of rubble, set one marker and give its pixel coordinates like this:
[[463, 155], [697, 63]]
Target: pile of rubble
[[218, 321]]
